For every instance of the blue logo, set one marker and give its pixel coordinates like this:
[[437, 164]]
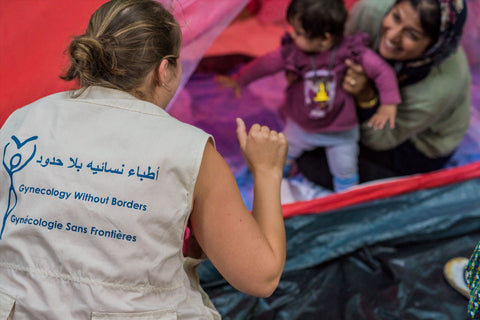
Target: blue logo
[[15, 158]]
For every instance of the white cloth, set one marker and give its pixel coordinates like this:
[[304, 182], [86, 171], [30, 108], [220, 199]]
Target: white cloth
[[95, 193], [341, 147]]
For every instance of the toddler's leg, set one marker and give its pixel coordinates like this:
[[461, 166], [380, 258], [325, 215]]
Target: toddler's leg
[[298, 142], [343, 160]]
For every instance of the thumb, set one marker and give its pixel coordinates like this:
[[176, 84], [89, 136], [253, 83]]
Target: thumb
[[241, 133]]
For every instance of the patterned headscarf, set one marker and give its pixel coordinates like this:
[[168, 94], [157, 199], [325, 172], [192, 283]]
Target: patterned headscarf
[[453, 16]]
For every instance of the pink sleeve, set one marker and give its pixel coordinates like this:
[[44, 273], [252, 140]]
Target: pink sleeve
[[383, 75], [260, 67]]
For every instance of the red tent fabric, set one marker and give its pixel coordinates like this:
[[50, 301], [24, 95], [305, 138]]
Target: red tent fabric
[[34, 34], [383, 189]]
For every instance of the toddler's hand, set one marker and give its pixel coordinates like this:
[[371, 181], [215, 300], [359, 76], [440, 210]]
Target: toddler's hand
[[384, 113], [264, 150], [228, 82]]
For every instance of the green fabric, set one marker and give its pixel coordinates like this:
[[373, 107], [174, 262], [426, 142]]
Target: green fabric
[[435, 112], [473, 278]]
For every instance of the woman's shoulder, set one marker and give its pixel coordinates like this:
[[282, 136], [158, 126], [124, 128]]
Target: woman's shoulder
[[373, 5], [456, 66], [453, 73], [366, 16], [446, 88], [41, 102]]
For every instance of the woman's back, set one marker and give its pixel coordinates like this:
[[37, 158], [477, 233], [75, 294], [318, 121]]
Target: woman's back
[[113, 178]]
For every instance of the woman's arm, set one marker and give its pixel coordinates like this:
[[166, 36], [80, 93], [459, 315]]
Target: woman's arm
[[248, 249]]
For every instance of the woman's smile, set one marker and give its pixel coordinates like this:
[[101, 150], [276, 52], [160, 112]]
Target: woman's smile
[[402, 36]]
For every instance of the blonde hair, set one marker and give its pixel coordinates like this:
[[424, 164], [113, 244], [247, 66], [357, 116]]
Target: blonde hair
[[124, 41]]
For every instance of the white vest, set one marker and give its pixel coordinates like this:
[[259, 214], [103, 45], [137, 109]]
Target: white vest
[[95, 195]]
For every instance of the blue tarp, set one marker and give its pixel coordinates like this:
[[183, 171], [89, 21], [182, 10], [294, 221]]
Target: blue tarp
[[378, 260]]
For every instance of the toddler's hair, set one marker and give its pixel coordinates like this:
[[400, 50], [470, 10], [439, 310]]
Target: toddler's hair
[[317, 17], [124, 41]]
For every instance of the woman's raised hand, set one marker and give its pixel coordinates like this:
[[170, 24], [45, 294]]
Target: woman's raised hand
[[247, 248], [262, 148]]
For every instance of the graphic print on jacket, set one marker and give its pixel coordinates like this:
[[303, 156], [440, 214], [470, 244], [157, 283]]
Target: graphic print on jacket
[[13, 161]]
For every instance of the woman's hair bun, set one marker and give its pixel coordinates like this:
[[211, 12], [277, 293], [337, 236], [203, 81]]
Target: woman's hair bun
[[124, 41]]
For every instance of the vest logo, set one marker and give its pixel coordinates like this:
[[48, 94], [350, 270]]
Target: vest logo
[[15, 157]]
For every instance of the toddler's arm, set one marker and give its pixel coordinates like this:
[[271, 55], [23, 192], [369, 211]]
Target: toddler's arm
[[383, 75], [260, 67]]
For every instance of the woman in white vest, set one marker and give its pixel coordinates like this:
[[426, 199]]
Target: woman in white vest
[[97, 187]]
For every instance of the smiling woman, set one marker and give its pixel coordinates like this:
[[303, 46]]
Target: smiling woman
[[420, 39], [403, 37]]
